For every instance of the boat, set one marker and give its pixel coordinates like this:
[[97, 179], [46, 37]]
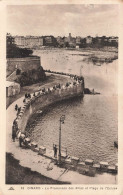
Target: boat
[[39, 112]]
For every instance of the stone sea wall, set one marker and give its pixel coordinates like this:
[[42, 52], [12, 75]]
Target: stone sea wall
[[45, 98]]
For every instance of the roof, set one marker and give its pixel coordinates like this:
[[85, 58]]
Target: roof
[[11, 83]]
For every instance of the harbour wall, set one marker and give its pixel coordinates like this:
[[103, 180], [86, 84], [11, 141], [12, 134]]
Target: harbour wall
[[43, 99]]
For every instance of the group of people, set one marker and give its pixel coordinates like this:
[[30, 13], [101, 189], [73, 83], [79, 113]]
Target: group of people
[[16, 133], [18, 109], [14, 130], [27, 95]]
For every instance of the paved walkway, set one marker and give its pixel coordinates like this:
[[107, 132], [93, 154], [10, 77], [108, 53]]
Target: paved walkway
[[44, 165]]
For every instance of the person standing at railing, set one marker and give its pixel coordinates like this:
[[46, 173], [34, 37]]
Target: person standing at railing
[[16, 107], [55, 150], [21, 137], [13, 133]]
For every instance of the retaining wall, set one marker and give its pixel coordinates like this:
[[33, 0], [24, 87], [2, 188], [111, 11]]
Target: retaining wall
[[24, 64]]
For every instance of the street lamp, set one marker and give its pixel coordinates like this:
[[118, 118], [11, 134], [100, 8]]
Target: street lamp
[[62, 118]]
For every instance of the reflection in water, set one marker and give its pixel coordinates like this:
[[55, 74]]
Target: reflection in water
[[91, 124]]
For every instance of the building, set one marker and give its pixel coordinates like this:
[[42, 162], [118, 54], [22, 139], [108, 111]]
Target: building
[[20, 41], [78, 40], [77, 46], [34, 42], [12, 88], [88, 40], [9, 39], [29, 41], [60, 41], [49, 41], [72, 43], [69, 38], [113, 39]]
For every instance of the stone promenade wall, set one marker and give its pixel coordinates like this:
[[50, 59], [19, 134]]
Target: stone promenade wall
[[46, 98]]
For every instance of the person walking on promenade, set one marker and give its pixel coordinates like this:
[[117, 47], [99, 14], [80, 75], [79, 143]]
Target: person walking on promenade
[[14, 122], [55, 150], [26, 95], [16, 107], [19, 109], [24, 100], [29, 96], [13, 133], [21, 137]]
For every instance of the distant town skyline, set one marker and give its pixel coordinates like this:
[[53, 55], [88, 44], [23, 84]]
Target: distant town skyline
[[60, 20]]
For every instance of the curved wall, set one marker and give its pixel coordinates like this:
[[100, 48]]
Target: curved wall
[[45, 99], [23, 64]]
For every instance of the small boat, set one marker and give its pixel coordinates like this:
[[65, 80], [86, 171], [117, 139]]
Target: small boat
[[39, 112]]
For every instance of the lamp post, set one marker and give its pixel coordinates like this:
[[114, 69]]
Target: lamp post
[[62, 118]]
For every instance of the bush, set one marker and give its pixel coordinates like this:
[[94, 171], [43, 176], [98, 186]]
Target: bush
[[18, 71]]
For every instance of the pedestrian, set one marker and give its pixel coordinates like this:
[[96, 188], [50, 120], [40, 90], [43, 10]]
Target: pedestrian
[[14, 122], [19, 109], [55, 151], [13, 133], [16, 107], [29, 96], [26, 95], [21, 137]]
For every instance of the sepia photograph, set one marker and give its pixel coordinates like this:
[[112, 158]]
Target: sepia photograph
[[62, 94]]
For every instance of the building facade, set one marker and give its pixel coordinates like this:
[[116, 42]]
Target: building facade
[[12, 88]]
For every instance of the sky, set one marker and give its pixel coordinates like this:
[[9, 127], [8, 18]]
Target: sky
[[60, 20]]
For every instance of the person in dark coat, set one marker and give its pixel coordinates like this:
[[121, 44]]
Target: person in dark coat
[[55, 151], [19, 109], [16, 107], [13, 133]]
